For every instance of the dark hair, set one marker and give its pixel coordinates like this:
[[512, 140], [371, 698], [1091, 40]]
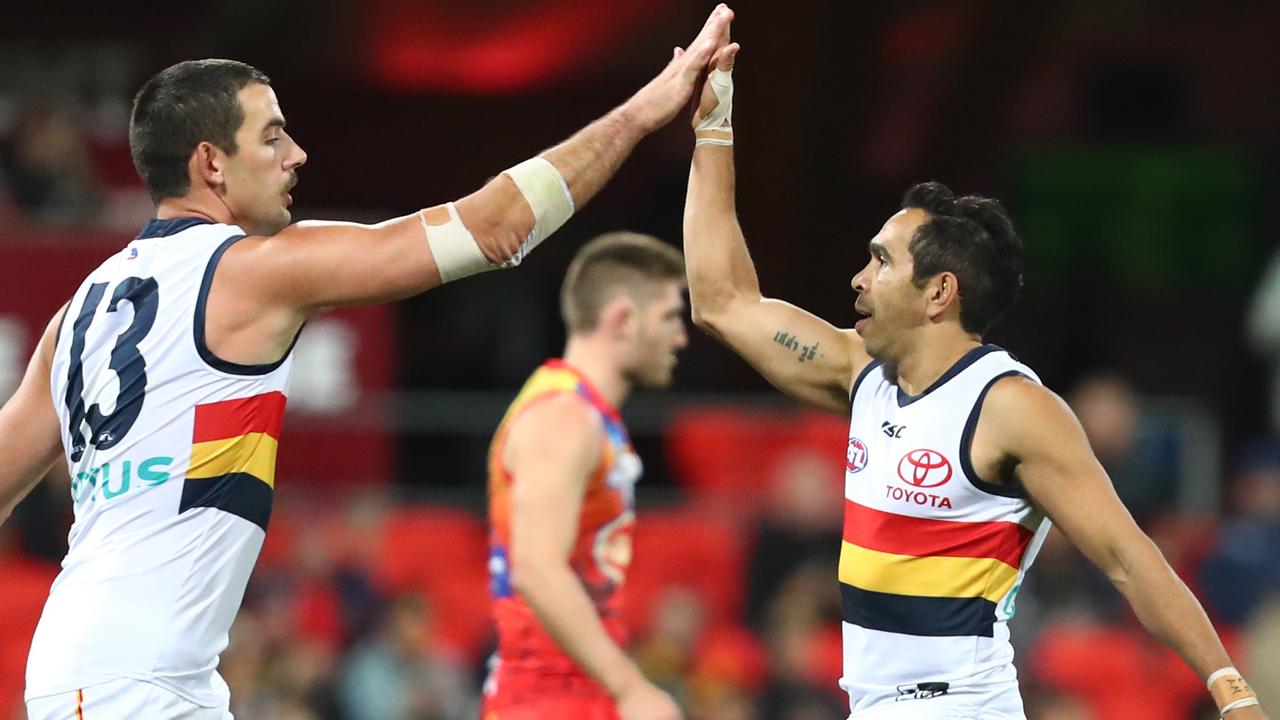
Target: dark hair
[[974, 238], [179, 108], [612, 264]]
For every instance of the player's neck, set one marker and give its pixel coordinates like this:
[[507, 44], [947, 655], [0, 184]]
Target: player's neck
[[195, 204], [928, 360], [597, 363]]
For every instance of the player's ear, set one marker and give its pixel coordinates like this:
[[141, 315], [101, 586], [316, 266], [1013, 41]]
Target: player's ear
[[942, 292], [205, 165], [620, 317]]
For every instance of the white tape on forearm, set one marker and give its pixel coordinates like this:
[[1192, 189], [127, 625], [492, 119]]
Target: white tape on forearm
[[547, 193], [717, 127], [453, 247]]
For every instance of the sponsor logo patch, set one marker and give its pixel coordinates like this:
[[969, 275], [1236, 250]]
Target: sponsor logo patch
[[924, 468]]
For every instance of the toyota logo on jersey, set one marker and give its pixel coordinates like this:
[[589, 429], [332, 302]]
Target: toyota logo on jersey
[[924, 468], [855, 458]]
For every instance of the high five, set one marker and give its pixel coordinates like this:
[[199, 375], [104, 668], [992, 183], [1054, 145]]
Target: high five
[[163, 383]]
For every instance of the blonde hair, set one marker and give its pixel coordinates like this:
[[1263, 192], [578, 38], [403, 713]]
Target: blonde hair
[[610, 265]]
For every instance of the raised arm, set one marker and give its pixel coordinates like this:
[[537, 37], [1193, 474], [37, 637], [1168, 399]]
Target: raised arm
[[799, 353], [551, 451], [30, 436], [1034, 429], [313, 265]]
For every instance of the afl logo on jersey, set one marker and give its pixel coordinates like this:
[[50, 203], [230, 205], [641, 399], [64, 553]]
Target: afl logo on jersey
[[855, 458], [924, 468]]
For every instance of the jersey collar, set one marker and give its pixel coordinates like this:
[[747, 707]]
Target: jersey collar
[[589, 390], [969, 358], [157, 228]]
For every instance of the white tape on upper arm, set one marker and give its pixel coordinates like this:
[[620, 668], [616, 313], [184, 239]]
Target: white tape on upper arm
[[547, 193]]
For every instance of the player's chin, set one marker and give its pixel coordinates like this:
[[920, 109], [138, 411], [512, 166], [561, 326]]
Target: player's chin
[[873, 347], [280, 221], [658, 378]]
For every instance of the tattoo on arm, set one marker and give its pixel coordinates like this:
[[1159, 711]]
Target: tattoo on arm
[[804, 353]]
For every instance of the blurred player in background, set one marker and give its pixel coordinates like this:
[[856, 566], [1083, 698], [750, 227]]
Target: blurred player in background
[[957, 455], [163, 381], [561, 478]]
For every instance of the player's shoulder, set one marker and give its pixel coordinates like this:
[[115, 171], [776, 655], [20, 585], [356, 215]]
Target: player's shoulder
[[559, 411], [270, 255], [254, 261], [1019, 406], [1015, 392], [304, 230], [560, 424]]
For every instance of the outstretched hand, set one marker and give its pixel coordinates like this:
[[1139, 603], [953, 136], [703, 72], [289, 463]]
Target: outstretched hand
[[664, 96], [709, 100]]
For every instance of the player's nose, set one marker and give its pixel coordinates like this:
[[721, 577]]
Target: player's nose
[[859, 281], [299, 156]]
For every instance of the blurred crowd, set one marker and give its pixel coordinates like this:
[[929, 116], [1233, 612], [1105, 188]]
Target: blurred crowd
[[65, 163]]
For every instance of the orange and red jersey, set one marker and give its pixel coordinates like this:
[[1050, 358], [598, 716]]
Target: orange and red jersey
[[529, 662]]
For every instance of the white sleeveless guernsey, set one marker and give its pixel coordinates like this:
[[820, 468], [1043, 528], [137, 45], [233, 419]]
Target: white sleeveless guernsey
[[932, 556], [172, 457]]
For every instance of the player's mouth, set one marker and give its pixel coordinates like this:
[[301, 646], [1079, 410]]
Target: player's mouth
[[865, 312]]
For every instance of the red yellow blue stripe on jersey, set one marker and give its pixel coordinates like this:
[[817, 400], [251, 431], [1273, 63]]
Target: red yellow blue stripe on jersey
[[233, 457], [922, 576]]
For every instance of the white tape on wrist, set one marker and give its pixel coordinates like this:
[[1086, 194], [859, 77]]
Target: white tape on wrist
[[717, 127], [1230, 691], [547, 193], [452, 245], [1241, 703], [1218, 674]]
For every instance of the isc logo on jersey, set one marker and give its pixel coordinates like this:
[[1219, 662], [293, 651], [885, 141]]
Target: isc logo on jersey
[[919, 470]]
